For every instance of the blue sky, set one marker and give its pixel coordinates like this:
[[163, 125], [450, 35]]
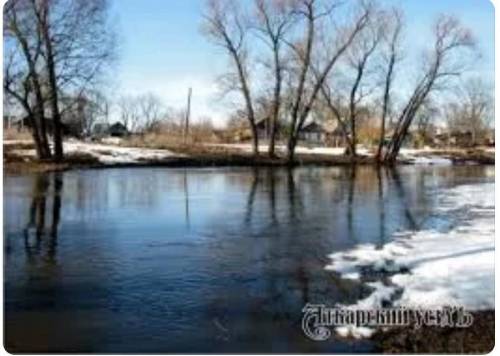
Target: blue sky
[[162, 51]]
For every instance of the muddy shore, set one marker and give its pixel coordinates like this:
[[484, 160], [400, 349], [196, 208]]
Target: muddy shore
[[479, 338]]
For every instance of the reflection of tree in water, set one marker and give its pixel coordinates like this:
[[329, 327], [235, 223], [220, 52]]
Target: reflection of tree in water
[[295, 204], [403, 197], [270, 256], [381, 208], [186, 198], [350, 203], [271, 178], [251, 196], [40, 239], [360, 181]]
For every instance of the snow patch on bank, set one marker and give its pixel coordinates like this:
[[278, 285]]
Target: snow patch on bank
[[110, 154], [432, 268], [104, 153], [423, 156], [441, 161], [319, 150]]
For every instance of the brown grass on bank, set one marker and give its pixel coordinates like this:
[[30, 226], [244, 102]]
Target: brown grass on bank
[[175, 141], [16, 134]]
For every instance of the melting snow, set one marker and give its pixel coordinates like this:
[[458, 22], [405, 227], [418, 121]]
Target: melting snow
[[105, 153], [116, 154], [432, 268]]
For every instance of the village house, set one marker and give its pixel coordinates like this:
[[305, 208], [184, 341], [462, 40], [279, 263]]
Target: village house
[[328, 133], [264, 128], [117, 129], [312, 133]]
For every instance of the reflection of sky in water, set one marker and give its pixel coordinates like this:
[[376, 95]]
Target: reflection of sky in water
[[197, 259]]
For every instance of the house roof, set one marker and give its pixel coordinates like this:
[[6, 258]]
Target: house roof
[[117, 126], [313, 127]]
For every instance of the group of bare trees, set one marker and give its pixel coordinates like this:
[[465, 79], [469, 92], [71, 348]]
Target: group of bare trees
[[141, 113], [440, 64], [471, 109], [53, 49], [342, 56], [289, 59]]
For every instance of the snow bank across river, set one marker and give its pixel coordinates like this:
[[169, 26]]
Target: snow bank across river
[[111, 154], [438, 266], [108, 154]]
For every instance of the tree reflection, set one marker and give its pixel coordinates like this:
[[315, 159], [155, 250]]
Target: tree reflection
[[186, 199], [295, 205], [396, 178], [37, 230], [271, 177], [381, 206], [350, 202], [251, 196]]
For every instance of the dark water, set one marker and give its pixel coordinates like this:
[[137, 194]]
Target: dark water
[[196, 260]]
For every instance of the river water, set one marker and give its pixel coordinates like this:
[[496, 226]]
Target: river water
[[196, 260]]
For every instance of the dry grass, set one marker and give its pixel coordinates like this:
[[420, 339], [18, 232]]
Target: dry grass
[[173, 141], [15, 134]]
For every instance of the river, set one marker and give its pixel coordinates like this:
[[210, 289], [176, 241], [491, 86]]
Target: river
[[197, 260]]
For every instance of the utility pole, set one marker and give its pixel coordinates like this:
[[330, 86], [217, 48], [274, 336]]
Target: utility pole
[[188, 114]]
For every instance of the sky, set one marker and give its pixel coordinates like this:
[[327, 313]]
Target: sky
[[161, 49]]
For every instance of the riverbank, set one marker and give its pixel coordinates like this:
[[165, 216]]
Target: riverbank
[[20, 156], [448, 261], [479, 338]]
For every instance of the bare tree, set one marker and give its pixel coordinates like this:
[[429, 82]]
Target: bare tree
[[443, 62], [22, 77], [362, 50], [42, 10], [150, 111], [304, 96], [273, 20], [225, 26], [358, 56], [91, 107], [129, 112], [67, 43], [472, 109], [394, 23], [75, 37]]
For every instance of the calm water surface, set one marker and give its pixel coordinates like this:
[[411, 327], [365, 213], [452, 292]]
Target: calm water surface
[[196, 260]]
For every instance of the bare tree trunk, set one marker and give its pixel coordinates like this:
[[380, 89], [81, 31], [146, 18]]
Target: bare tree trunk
[[385, 107], [224, 26], [396, 24], [255, 140], [248, 102], [272, 20], [276, 104], [301, 111], [450, 37], [43, 18], [306, 63], [292, 143], [40, 152], [36, 116], [352, 111]]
